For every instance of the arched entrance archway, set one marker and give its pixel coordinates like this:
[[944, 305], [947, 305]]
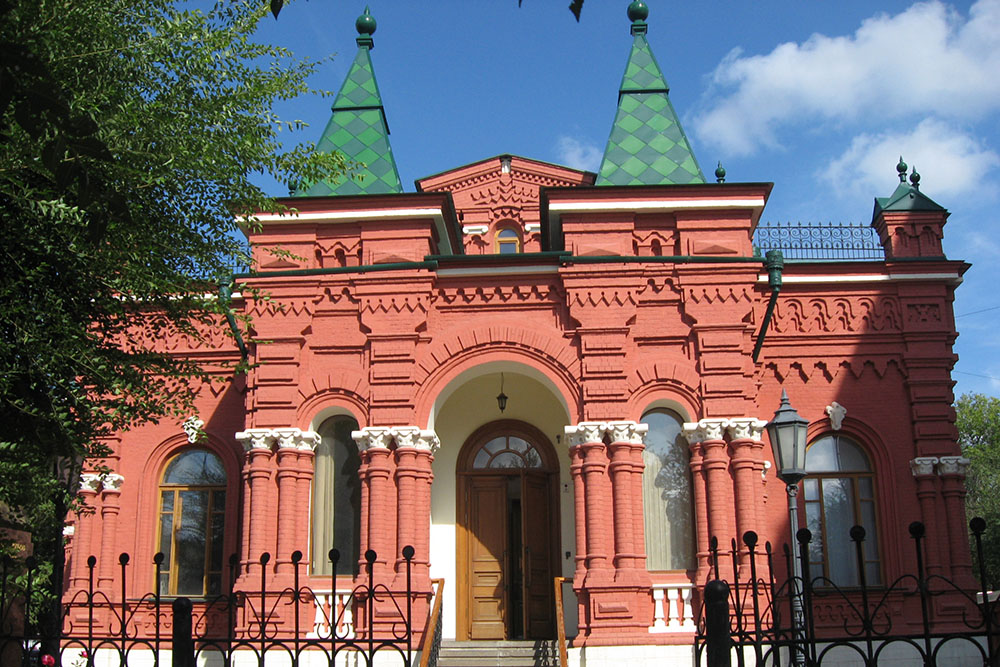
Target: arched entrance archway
[[508, 527]]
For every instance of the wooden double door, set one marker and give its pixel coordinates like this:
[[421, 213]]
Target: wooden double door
[[507, 548]]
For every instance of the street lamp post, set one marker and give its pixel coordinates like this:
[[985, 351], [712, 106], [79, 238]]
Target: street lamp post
[[787, 432]]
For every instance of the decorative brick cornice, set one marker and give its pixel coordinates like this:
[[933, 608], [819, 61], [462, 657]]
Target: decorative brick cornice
[[953, 465], [923, 465]]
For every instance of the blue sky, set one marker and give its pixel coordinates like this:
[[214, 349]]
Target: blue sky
[[820, 98]]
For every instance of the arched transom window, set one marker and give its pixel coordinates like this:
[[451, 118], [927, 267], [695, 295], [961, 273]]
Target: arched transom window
[[506, 452], [840, 493], [192, 524]]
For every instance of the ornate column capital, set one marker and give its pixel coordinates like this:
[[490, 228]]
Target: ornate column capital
[[373, 437], [953, 465], [428, 441], [256, 438], [90, 482], [585, 432], [923, 465], [628, 431], [746, 428], [705, 429], [295, 438], [405, 436], [112, 481]]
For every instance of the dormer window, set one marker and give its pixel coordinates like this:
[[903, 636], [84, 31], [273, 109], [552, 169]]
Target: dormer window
[[508, 242]]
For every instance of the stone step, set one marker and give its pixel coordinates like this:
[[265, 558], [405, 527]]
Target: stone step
[[537, 653]]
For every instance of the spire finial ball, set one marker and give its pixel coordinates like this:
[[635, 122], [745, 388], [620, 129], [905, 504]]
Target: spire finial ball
[[901, 169], [915, 178], [637, 11], [720, 173], [365, 24]]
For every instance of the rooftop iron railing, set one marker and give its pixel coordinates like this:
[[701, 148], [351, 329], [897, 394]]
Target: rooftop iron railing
[[820, 241]]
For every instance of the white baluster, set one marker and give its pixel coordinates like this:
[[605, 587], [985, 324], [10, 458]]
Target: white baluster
[[348, 618], [673, 595], [687, 615], [659, 622]]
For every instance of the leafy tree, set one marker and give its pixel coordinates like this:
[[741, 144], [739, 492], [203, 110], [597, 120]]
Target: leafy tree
[[978, 422], [129, 133]]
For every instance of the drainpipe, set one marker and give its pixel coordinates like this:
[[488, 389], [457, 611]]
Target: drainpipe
[[774, 262], [226, 298]]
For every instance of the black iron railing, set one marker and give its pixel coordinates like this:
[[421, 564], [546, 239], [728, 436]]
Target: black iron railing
[[829, 241], [285, 624], [919, 618]]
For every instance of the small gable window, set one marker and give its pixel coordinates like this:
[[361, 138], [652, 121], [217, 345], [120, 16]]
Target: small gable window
[[508, 242]]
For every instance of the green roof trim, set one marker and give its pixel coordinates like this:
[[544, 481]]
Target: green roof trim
[[647, 145], [907, 197], [358, 129]]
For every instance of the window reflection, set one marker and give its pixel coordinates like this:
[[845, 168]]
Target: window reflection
[[666, 493], [192, 524], [839, 494]]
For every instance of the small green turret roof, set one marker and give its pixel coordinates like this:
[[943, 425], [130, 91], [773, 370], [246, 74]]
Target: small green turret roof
[[647, 145], [358, 128], [907, 196]]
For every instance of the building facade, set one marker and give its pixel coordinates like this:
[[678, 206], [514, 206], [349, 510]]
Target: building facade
[[526, 371]]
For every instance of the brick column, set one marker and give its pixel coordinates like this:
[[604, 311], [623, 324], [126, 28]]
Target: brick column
[[718, 485], [378, 518], [614, 597], [579, 511], [86, 527], [257, 473], [746, 449], [926, 479], [110, 507], [626, 488], [426, 445], [293, 518], [406, 474], [952, 470], [697, 464]]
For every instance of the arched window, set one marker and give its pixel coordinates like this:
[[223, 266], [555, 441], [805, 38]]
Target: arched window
[[336, 498], [666, 493], [508, 242], [839, 493], [192, 524]]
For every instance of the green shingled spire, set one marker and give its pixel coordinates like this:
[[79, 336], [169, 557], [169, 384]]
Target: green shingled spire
[[647, 145], [358, 128]]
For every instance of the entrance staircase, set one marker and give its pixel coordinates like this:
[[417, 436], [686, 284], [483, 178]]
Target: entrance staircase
[[527, 653]]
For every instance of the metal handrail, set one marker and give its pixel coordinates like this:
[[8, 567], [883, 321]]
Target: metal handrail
[[430, 632]]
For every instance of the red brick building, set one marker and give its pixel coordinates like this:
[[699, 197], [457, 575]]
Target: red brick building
[[621, 317]]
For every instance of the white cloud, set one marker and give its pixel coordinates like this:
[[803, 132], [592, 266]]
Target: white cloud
[[950, 162], [578, 155], [927, 59]]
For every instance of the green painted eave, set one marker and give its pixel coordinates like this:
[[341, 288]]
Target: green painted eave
[[647, 145], [906, 198], [358, 129]]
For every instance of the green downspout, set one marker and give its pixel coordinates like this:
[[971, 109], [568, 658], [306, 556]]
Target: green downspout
[[774, 262], [226, 299]]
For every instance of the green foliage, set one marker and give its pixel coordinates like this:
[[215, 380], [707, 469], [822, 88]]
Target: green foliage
[[978, 422], [129, 132]]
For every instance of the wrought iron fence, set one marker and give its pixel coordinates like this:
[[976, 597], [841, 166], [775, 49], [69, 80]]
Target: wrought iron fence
[[754, 621], [292, 623], [829, 241]]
